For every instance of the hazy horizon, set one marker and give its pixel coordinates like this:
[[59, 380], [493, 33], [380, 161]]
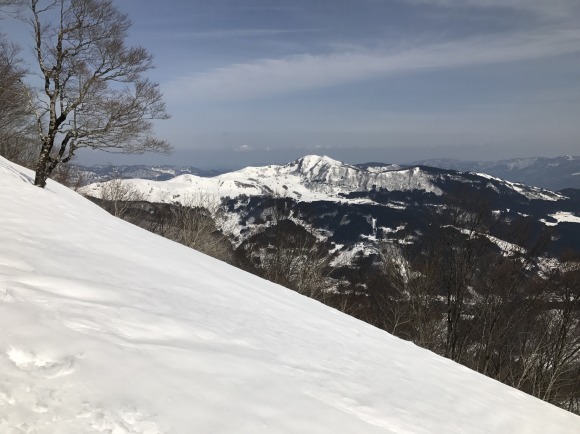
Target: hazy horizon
[[208, 160]]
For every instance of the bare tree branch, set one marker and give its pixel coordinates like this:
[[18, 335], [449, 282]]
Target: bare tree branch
[[15, 119]]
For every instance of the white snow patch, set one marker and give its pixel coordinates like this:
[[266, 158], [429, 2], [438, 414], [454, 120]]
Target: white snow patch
[[533, 193], [346, 257], [391, 230], [562, 217]]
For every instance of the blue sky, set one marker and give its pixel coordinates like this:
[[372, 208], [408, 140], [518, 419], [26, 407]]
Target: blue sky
[[266, 81]]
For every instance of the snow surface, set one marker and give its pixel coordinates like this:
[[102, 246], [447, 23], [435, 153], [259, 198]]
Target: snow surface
[[105, 327]]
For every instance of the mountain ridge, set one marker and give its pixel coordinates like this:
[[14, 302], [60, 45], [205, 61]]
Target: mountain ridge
[[377, 200], [313, 177], [554, 174], [550, 173]]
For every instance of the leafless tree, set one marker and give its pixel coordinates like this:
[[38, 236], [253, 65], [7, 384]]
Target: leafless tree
[[94, 93], [16, 143], [11, 7], [194, 223], [404, 298], [11, 3], [557, 376], [118, 195], [290, 256], [70, 176]]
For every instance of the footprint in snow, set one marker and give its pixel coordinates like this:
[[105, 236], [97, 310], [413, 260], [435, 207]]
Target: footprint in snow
[[7, 296], [39, 365], [125, 421]]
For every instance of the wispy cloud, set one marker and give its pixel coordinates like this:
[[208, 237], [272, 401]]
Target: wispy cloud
[[268, 7], [237, 33], [542, 7], [265, 77], [244, 148]]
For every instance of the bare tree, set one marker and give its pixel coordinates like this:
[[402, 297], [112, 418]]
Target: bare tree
[[289, 255], [15, 120], [560, 362], [118, 195], [94, 93], [194, 223], [10, 7], [458, 249], [9, 3]]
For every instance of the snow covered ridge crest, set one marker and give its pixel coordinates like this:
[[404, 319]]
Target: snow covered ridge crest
[[105, 327], [533, 193], [313, 178], [552, 173]]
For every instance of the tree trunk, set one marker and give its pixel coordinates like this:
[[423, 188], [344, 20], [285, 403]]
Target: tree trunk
[[43, 168]]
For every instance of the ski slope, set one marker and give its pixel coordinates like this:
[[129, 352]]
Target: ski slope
[[107, 328]]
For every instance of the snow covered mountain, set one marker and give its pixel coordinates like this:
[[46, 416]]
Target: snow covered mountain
[[314, 178], [551, 173], [105, 327], [367, 204]]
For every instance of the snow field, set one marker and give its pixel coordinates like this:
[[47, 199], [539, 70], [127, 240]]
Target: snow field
[[107, 328]]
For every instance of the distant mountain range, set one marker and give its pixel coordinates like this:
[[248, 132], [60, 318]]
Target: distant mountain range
[[551, 173], [371, 203], [105, 172], [320, 178]]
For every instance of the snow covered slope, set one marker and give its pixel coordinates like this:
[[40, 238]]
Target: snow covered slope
[[105, 327]]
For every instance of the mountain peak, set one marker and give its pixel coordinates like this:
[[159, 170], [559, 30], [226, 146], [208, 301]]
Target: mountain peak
[[309, 162]]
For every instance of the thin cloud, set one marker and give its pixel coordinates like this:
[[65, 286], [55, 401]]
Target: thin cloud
[[542, 7], [244, 148], [238, 33], [268, 8], [266, 77]]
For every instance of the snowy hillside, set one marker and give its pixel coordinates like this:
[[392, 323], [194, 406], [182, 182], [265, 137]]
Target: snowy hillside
[[308, 179], [107, 328]]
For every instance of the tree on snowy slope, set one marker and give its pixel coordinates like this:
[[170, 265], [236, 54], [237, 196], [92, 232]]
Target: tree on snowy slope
[[93, 93], [287, 254], [15, 119]]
